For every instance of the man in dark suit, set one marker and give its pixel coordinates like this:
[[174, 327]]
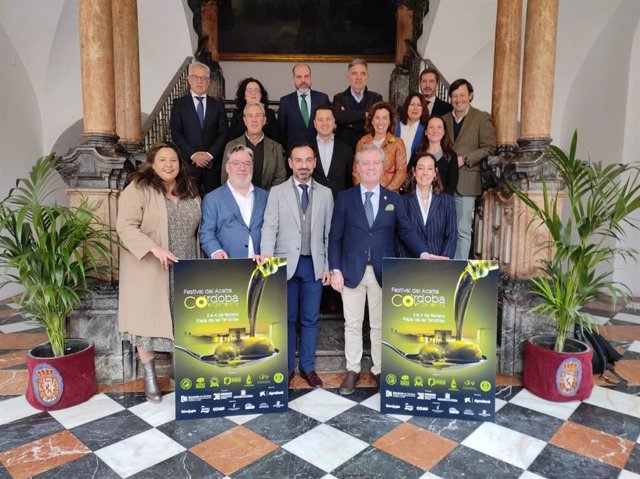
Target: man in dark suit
[[474, 138], [268, 158], [363, 228], [296, 111], [335, 158], [429, 81], [350, 107], [232, 215], [199, 128]]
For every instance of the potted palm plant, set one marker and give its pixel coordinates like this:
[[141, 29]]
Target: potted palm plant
[[584, 241], [52, 251]]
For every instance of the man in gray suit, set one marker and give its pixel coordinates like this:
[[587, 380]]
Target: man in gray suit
[[296, 226], [268, 157], [232, 214]]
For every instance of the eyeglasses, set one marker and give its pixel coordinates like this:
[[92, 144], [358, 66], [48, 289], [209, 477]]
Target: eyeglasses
[[236, 164], [253, 91], [196, 77]]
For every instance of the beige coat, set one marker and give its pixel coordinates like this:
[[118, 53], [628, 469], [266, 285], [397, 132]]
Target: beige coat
[[395, 161], [143, 308]]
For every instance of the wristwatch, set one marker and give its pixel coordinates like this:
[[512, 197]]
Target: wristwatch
[[465, 160], [334, 271]]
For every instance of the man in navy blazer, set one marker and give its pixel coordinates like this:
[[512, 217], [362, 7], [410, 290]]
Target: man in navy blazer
[[199, 128], [232, 215], [365, 221], [429, 81], [295, 119]]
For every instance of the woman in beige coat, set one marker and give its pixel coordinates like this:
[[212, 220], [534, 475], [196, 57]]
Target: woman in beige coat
[[158, 218], [380, 126]]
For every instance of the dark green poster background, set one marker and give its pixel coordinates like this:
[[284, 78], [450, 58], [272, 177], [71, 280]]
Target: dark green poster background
[[439, 338], [223, 367]]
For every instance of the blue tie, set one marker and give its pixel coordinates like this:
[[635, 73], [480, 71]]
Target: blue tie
[[200, 110], [305, 198], [368, 207]]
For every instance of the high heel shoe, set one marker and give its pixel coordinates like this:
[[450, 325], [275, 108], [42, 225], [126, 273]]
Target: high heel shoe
[[151, 389]]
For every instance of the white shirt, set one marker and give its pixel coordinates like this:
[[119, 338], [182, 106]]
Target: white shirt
[[408, 134], [245, 204], [375, 198], [325, 150], [356, 96], [425, 212]]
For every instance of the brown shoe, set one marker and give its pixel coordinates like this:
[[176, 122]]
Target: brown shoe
[[312, 379], [376, 378], [348, 385], [291, 376]]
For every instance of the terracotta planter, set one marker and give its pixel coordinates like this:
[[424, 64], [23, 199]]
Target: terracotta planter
[[58, 383], [566, 376]]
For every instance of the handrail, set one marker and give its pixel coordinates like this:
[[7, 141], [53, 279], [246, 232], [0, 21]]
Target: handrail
[[156, 127]]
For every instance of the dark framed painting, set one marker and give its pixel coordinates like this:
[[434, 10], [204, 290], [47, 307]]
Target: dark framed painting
[[307, 30]]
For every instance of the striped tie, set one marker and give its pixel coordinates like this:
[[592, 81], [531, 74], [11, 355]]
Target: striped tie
[[200, 110]]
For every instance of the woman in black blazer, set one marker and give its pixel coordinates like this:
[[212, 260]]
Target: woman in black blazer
[[432, 212], [437, 142]]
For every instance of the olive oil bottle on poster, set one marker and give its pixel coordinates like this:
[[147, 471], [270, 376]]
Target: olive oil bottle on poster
[[230, 328], [439, 334]]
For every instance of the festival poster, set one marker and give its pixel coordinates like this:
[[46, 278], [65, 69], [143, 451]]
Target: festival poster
[[439, 334], [230, 337]]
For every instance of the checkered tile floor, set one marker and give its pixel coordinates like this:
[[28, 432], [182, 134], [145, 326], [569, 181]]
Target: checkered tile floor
[[323, 435]]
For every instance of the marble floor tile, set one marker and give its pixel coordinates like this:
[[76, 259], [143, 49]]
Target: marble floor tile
[[598, 445], [455, 429], [13, 359], [630, 370], [43, 454], [282, 428], [21, 340], [321, 405], [618, 424], [554, 462], [409, 443], [127, 399], [97, 407], [13, 381], [561, 410], [329, 476], [194, 431], [502, 380], [325, 447], [505, 444], [243, 418], [465, 463], [633, 463], [507, 392], [372, 402], [27, 429], [373, 463], [530, 475], [88, 466], [624, 474], [280, 464], [110, 429], [400, 417], [233, 449], [527, 421], [616, 333], [139, 452], [16, 408], [19, 327], [364, 423], [600, 320], [634, 346], [627, 318], [182, 465], [499, 404], [429, 475], [157, 414], [615, 401]]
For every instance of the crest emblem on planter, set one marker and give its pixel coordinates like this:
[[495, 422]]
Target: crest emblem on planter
[[568, 377], [47, 384]]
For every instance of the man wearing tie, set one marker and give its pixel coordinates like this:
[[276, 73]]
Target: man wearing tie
[[296, 226], [199, 128], [232, 215], [364, 224], [429, 80], [297, 109]]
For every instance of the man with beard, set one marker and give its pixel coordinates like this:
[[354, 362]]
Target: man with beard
[[429, 81], [296, 226], [297, 109]]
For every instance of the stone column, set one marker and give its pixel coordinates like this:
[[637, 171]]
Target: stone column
[[127, 81], [538, 74], [506, 74], [96, 63]]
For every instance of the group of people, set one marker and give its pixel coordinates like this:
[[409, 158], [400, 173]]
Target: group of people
[[358, 185]]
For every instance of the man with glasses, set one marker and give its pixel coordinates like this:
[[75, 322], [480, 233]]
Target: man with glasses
[[268, 158], [232, 215], [199, 128]]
